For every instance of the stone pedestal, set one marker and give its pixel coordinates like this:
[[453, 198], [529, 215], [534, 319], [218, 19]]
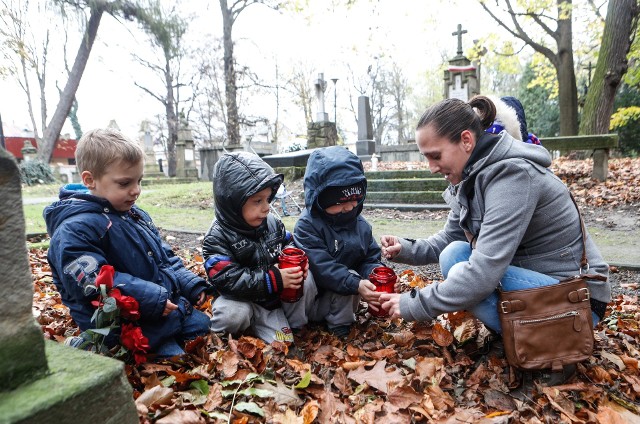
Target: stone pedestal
[[321, 134], [365, 147], [185, 154], [58, 386]]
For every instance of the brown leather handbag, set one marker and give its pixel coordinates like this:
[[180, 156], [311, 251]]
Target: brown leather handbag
[[550, 326]]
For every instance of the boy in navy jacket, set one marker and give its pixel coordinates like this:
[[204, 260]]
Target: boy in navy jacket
[[337, 239], [99, 224]]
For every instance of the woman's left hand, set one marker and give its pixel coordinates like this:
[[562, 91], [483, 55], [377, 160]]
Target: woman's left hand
[[391, 303]]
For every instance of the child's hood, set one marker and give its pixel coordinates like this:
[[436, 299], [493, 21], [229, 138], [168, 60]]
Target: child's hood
[[74, 200], [331, 167], [236, 177]]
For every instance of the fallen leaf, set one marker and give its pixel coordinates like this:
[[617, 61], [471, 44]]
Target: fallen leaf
[[282, 394], [377, 377], [441, 335], [157, 395]]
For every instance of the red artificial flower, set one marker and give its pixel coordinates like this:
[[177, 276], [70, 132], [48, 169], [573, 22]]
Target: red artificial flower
[[132, 338], [105, 277], [129, 308]]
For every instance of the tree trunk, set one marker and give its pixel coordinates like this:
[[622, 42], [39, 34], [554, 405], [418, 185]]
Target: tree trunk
[[567, 90], [611, 66], [52, 132], [172, 121], [233, 126]]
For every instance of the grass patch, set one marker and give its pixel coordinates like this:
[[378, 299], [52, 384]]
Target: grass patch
[[191, 195], [41, 190], [34, 222]]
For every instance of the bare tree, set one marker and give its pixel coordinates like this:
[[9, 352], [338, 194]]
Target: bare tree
[[32, 56], [96, 9], [561, 57], [302, 91], [230, 12], [166, 30], [209, 108], [619, 30]]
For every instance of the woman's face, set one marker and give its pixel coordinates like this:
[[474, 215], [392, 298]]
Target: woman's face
[[445, 157]]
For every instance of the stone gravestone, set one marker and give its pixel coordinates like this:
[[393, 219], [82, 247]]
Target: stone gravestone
[[321, 133], [45, 382], [460, 79], [365, 145]]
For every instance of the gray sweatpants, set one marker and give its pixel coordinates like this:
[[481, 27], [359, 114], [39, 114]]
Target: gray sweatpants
[[335, 309], [235, 316]]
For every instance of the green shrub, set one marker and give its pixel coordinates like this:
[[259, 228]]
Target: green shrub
[[34, 172]]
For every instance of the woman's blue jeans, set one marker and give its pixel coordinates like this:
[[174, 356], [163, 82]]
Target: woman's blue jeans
[[514, 278]]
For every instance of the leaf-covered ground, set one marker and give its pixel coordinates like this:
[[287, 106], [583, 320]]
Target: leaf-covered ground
[[385, 371]]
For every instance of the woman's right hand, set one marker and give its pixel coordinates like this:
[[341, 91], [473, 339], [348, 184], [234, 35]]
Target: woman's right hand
[[292, 278], [391, 246]]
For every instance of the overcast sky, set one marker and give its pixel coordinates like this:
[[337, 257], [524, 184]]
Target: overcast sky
[[416, 33]]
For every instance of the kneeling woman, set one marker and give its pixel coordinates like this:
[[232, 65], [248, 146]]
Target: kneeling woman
[[512, 221]]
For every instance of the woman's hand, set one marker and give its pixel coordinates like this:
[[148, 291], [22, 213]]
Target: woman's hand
[[391, 303], [169, 307], [391, 246]]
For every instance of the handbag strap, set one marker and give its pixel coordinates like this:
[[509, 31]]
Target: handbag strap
[[584, 264]]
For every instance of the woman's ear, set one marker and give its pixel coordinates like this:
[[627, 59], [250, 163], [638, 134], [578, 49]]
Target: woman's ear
[[468, 141], [88, 180]]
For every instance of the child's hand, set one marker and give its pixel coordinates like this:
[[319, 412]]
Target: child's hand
[[391, 246], [391, 303], [201, 299], [292, 278], [169, 307], [369, 294]]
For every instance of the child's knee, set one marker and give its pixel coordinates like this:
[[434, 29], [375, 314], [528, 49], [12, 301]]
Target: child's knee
[[230, 316]]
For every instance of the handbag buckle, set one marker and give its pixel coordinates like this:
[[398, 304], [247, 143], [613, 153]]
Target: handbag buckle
[[504, 305], [587, 294]]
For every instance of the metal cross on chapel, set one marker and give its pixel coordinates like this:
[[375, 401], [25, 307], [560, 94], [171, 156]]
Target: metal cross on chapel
[[459, 33]]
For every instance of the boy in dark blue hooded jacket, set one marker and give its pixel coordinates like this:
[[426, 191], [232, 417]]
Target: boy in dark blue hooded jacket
[[98, 224], [337, 239]]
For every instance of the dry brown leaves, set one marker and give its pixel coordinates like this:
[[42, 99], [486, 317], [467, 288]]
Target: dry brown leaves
[[388, 371]]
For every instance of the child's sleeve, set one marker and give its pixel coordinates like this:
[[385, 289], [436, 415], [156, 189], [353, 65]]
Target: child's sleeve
[[327, 272], [191, 284], [373, 255], [254, 283], [77, 257]]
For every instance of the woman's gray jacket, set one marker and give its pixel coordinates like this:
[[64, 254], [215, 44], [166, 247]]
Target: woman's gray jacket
[[517, 212]]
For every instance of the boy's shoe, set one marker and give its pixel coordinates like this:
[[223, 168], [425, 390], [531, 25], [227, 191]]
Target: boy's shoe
[[79, 342], [340, 331]]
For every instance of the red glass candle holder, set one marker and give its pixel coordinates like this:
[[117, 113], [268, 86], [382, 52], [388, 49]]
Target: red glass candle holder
[[384, 279], [289, 258]]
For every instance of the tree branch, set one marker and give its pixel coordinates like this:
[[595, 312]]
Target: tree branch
[[152, 94]]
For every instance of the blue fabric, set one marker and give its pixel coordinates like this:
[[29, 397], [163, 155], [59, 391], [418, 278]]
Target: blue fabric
[[339, 243], [453, 259], [87, 233]]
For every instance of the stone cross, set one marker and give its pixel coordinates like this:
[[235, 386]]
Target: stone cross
[[459, 33], [22, 355], [45, 381], [321, 86]]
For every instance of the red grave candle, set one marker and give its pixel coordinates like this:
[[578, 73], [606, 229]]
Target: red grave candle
[[384, 279], [289, 258]]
